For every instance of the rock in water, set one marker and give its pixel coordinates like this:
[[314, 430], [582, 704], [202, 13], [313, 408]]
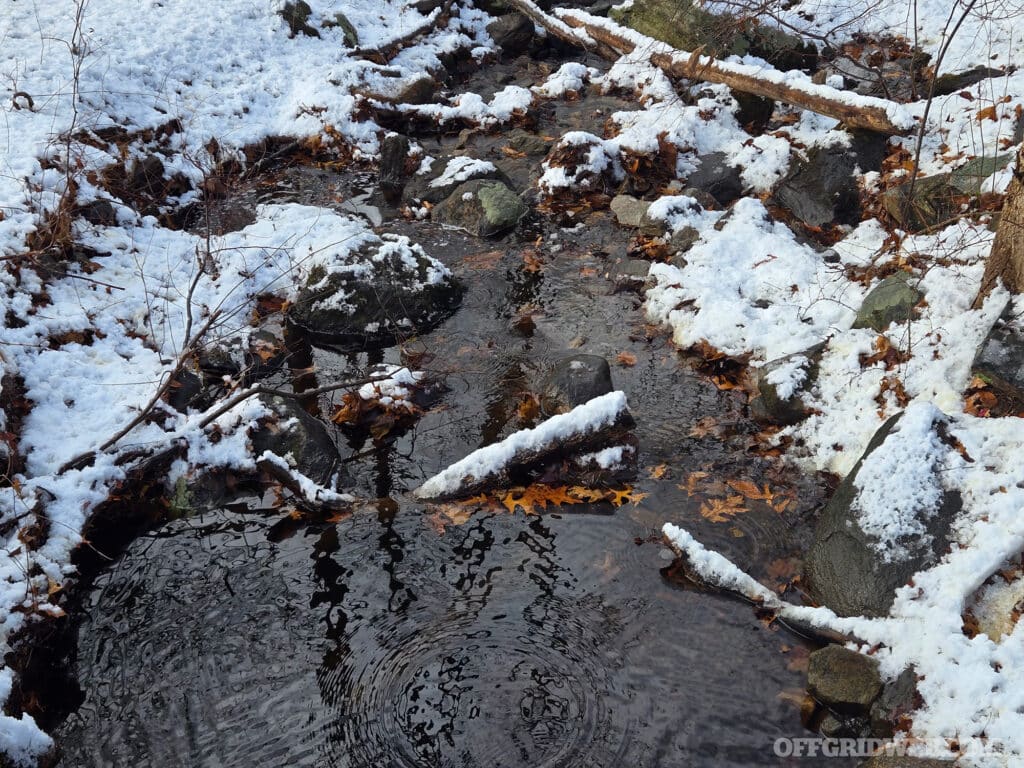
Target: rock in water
[[445, 176], [293, 432], [483, 208], [394, 152], [573, 381], [843, 680], [385, 289]]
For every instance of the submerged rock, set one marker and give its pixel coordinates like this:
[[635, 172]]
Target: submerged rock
[[483, 208], [891, 301], [294, 433], [573, 381], [385, 289], [843, 680], [850, 570]]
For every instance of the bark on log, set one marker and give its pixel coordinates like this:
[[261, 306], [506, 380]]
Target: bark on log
[[603, 35], [1006, 259]]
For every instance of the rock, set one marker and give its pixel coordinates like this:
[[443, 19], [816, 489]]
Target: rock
[[891, 301], [573, 381], [512, 32], [99, 212], [934, 200], [483, 208], [822, 189], [225, 357], [717, 178], [969, 177], [432, 188], [293, 432], [754, 113], [684, 239], [630, 275], [184, 390], [844, 569], [683, 24], [778, 403], [897, 761], [147, 176], [843, 680], [267, 353], [296, 15], [837, 727], [897, 699], [419, 90], [951, 82], [629, 212], [348, 32], [375, 294], [529, 143], [427, 6], [704, 199], [1001, 357], [394, 153]]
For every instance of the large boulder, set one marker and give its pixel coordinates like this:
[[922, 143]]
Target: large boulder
[[889, 518], [385, 289], [512, 32], [394, 157], [1001, 357], [718, 178], [822, 188], [573, 381], [483, 208], [685, 25], [445, 176]]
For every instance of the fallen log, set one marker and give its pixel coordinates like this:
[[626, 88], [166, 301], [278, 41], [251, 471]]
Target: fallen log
[[603, 35], [382, 54], [596, 423]]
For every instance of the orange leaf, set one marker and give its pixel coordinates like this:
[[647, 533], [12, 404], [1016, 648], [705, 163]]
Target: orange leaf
[[987, 112], [657, 472], [626, 359], [722, 510]]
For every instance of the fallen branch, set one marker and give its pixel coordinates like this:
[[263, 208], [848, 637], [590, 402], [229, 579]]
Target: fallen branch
[[600, 34], [596, 423], [313, 496]]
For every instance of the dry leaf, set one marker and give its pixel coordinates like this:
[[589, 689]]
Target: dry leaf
[[657, 472], [626, 359], [722, 510]]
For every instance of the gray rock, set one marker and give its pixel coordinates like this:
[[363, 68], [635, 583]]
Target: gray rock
[[1001, 357], [843, 569], [897, 699], [293, 431], [684, 239], [706, 201], [483, 208], [837, 727], [843, 680], [424, 188], [754, 112], [395, 299], [420, 90], [968, 177], [147, 176], [770, 405], [932, 201], [630, 275], [823, 189], [296, 15], [529, 143], [573, 381], [185, 389], [512, 32], [348, 32], [716, 177], [99, 212], [891, 301], [394, 152], [225, 357], [629, 211]]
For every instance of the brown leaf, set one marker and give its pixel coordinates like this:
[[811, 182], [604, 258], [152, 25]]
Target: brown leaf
[[657, 472], [722, 510], [626, 359], [987, 113]]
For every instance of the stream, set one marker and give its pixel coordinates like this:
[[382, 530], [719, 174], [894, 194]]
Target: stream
[[239, 636]]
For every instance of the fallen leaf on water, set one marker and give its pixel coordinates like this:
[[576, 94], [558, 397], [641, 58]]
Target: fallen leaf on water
[[627, 359], [482, 260], [722, 510], [531, 261], [691, 482], [750, 490], [704, 427], [657, 472]]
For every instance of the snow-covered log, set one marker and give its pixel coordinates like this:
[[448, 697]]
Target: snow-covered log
[[586, 427]]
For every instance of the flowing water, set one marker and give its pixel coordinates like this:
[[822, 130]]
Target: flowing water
[[394, 637]]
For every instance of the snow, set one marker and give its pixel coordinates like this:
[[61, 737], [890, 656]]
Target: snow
[[394, 385], [490, 461], [461, 169]]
